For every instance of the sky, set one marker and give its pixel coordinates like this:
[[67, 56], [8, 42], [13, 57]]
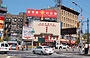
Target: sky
[[17, 6]]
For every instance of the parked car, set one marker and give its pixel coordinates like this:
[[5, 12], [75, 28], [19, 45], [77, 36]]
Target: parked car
[[43, 50], [4, 47], [62, 46]]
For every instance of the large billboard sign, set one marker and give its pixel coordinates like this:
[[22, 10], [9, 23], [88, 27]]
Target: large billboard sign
[[41, 13], [26, 33]]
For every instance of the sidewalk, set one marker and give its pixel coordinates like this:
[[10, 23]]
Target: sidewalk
[[76, 51]]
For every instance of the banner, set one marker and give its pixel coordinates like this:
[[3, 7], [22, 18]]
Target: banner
[[41, 13]]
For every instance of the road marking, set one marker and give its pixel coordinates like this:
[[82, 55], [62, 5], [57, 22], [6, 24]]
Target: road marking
[[8, 56]]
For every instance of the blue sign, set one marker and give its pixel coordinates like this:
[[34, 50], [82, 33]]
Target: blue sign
[[0, 34]]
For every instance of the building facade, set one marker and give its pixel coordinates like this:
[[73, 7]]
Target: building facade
[[3, 11], [69, 19], [14, 25], [67, 16]]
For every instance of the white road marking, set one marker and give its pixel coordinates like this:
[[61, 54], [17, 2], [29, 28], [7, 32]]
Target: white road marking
[[8, 56]]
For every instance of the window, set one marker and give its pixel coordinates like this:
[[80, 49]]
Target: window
[[39, 47], [2, 45], [14, 26], [18, 20], [6, 45], [12, 20]]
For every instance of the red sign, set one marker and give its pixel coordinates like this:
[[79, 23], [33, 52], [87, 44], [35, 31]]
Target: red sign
[[2, 18], [42, 13]]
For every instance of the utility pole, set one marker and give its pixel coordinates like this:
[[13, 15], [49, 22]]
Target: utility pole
[[81, 23], [88, 32]]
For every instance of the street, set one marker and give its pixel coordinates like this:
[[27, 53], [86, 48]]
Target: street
[[58, 54]]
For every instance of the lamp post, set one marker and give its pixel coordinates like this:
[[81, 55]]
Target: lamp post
[[88, 32], [81, 43], [32, 36]]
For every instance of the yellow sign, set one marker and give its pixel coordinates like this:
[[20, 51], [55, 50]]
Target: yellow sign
[[42, 12]]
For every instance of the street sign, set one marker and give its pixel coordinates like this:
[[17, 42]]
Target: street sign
[[0, 34], [32, 31]]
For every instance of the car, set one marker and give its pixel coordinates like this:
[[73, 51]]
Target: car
[[43, 50], [64, 46], [4, 47]]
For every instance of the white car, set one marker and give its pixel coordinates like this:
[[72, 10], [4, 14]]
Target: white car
[[64, 46], [4, 47], [43, 50]]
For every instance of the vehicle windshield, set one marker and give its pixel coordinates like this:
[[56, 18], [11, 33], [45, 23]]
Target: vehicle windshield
[[47, 47]]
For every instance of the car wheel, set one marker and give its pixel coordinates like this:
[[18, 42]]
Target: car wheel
[[42, 53], [33, 52], [50, 53]]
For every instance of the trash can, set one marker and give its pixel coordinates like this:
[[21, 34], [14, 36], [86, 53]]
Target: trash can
[[86, 50]]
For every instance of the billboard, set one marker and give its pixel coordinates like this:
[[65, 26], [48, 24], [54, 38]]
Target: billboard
[[1, 22], [41, 13], [26, 33]]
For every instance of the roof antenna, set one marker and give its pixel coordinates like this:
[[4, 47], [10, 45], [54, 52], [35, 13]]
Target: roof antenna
[[58, 3]]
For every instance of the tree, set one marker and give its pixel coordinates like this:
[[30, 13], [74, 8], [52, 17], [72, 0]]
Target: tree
[[85, 36], [6, 38]]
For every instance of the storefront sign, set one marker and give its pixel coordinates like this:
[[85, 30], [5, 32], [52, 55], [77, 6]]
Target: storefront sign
[[47, 24]]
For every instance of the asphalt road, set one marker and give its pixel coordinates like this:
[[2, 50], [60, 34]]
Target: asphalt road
[[63, 53]]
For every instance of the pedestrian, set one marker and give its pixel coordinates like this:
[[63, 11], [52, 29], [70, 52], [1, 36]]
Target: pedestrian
[[22, 47], [26, 47]]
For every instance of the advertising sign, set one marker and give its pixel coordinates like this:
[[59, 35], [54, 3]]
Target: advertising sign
[[41, 13], [26, 33], [1, 22]]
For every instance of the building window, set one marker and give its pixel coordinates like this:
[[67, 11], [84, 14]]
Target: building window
[[14, 20], [14, 26], [19, 20], [20, 26]]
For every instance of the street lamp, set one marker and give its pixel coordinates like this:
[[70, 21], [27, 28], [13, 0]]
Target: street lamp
[[32, 36], [81, 43]]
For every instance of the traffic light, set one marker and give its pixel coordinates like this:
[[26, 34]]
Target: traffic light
[[78, 24]]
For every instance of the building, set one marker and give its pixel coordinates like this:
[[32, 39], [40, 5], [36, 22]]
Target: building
[[43, 22], [69, 19], [3, 11], [67, 16], [14, 25]]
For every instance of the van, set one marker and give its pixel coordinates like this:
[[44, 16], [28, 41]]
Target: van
[[4, 47]]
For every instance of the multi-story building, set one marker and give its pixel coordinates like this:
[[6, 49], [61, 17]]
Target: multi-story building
[[68, 18], [13, 25], [3, 11]]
